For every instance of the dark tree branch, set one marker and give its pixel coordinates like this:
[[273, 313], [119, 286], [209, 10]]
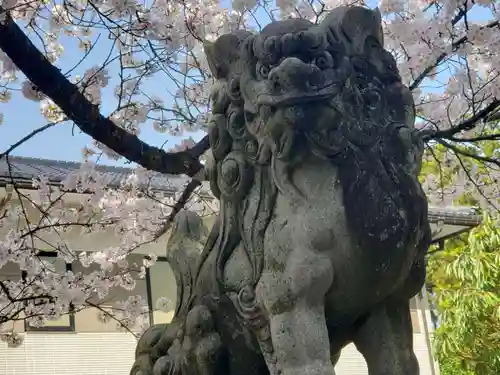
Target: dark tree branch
[[494, 117], [178, 206], [457, 150], [6, 291], [489, 137], [200, 148], [51, 82], [468, 124]]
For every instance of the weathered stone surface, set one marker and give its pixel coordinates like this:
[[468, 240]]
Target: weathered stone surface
[[323, 224]]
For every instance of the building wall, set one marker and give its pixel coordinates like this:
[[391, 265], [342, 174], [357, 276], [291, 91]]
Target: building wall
[[113, 354], [107, 353], [351, 362]]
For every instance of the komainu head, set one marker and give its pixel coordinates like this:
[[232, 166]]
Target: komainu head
[[303, 86]]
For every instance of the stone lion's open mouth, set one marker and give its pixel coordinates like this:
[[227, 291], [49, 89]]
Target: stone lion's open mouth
[[297, 97], [288, 100], [268, 105]]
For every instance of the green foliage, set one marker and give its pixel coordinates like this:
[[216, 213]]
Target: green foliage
[[466, 281]]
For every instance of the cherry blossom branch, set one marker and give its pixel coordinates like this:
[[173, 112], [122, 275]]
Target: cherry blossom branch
[[441, 57], [6, 291], [51, 82], [13, 299], [111, 316]]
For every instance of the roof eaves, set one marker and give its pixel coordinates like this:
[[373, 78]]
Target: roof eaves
[[463, 216], [454, 216]]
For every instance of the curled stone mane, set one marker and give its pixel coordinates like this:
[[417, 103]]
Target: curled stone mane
[[235, 169]]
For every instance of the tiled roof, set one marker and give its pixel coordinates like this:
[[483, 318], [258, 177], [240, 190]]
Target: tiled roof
[[23, 169], [461, 216]]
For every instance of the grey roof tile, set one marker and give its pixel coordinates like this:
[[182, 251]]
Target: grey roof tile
[[24, 169]]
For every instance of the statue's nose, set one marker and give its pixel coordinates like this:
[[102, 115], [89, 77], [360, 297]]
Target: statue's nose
[[294, 74]]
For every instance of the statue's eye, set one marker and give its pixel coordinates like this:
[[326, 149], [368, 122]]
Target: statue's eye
[[271, 45], [359, 64], [372, 98], [263, 71], [324, 61], [372, 43]]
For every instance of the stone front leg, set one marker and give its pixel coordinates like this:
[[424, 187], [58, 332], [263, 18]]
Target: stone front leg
[[293, 295], [386, 340]]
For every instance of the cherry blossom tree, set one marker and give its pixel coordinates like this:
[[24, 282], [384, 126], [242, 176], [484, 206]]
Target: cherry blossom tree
[[447, 53], [43, 222]]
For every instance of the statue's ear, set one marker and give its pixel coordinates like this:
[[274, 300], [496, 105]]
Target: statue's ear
[[215, 63], [359, 23], [378, 26], [222, 53]]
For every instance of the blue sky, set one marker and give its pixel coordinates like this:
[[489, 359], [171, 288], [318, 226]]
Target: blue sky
[[65, 141]]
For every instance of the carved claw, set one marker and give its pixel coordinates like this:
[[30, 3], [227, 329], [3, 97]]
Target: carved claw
[[162, 366]]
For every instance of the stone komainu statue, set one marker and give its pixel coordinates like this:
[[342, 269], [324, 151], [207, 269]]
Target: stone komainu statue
[[322, 231]]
